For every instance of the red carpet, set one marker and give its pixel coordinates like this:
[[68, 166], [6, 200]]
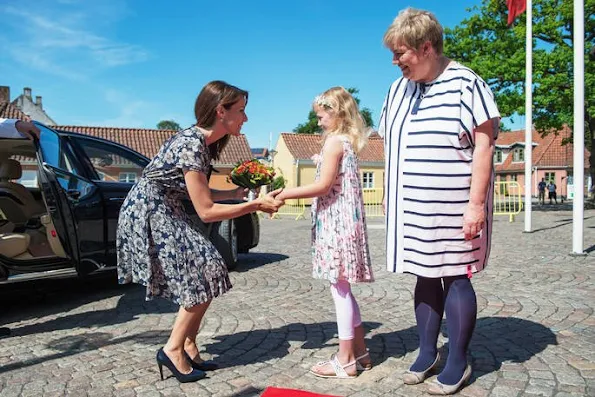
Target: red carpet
[[277, 392]]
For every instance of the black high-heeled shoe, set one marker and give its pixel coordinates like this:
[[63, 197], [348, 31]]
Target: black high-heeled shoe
[[206, 365], [162, 360]]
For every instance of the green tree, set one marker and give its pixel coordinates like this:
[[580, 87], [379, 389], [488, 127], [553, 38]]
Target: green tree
[[278, 182], [168, 125], [496, 52], [311, 126]]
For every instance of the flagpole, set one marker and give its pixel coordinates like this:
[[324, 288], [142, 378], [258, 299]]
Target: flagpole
[[528, 114], [579, 128]]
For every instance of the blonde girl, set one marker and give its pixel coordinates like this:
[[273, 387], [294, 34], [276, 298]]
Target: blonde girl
[[339, 237]]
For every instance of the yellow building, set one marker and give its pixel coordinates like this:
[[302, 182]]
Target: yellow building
[[293, 160]]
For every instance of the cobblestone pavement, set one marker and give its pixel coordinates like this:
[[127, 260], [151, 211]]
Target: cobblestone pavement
[[535, 334]]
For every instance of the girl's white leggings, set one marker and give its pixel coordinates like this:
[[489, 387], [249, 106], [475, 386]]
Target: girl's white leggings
[[348, 315]]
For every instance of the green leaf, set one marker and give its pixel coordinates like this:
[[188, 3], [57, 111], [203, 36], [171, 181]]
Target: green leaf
[[485, 43]]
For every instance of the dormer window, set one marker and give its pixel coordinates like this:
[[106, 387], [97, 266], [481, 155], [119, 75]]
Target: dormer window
[[518, 155], [498, 156]]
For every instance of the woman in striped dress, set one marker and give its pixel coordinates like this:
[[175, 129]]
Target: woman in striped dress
[[439, 122]]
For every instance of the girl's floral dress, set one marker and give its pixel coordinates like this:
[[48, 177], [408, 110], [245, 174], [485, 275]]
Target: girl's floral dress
[[158, 244], [339, 236]]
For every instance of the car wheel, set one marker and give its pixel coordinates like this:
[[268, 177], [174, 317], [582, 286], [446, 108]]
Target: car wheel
[[224, 236], [245, 227]]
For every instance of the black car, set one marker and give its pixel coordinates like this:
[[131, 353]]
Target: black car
[[59, 204]]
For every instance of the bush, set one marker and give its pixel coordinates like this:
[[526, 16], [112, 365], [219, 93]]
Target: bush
[[278, 182]]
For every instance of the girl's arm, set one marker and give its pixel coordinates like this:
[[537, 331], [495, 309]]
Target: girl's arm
[[208, 211], [331, 157]]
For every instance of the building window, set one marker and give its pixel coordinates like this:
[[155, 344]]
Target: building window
[[368, 180], [498, 156], [513, 177], [550, 177], [518, 155], [127, 177]]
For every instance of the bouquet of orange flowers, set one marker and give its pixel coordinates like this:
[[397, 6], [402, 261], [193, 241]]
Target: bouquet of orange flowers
[[251, 174]]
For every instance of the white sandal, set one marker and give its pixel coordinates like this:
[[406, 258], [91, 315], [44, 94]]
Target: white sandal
[[337, 367], [360, 367]]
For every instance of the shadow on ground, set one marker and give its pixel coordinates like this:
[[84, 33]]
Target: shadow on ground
[[560, 223], [257, 259], [29, 301], [496, 340]]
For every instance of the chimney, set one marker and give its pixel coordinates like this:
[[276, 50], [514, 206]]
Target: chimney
[[38, 102], [4, 93], [27, 92]]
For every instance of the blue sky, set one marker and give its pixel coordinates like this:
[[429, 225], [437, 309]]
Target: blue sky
[[134, 63]]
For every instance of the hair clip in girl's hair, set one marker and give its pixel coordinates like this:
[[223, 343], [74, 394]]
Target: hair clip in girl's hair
[[322, 102]]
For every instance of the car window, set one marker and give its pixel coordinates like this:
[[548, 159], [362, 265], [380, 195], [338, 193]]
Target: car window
[[111, 162], [70, 182], [52, 150]]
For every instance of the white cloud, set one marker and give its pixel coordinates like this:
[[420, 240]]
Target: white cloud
[[39, 62], [119, 55], [131, 111], [63, 39]]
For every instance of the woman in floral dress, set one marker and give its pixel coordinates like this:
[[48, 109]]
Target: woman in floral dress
[[159, 245], [339, 237]]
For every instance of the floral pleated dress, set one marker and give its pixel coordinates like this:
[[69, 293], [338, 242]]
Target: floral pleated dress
[[339, 236], [158, 244]]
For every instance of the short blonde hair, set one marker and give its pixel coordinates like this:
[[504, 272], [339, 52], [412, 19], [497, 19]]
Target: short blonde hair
[[413, 27], [342, 107]]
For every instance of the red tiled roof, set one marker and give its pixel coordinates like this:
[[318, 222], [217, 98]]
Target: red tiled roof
[[549, 151], [10, 111], [237, 150], [508, 138], [144, 141], [558, 154], [304, 146], [374, 150], [148, 141]]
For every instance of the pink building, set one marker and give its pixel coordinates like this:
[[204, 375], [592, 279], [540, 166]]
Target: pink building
[[552, 160]]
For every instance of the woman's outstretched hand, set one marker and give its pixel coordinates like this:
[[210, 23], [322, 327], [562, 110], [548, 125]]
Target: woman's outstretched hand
[[269, 202]]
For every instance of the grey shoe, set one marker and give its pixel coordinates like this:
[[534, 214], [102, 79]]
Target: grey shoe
[[438, 388], [414, 378]]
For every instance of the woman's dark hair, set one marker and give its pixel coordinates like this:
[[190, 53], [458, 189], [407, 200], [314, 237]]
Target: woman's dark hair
[[212, 95]]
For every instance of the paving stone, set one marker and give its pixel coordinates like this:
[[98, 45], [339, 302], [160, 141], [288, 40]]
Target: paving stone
[[534, 335], [539, 390]]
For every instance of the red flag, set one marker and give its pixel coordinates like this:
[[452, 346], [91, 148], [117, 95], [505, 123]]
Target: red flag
[[515, 8]]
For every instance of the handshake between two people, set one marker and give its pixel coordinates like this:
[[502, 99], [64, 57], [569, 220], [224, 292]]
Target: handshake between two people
[[269, 202]]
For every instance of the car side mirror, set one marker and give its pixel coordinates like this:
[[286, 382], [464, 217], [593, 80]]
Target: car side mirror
[[73, 194]]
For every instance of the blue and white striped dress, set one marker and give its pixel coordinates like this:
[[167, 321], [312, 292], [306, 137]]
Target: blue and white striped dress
[[429, 154]]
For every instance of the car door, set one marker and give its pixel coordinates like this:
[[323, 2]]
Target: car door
[[115, 169], [75, 199]]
